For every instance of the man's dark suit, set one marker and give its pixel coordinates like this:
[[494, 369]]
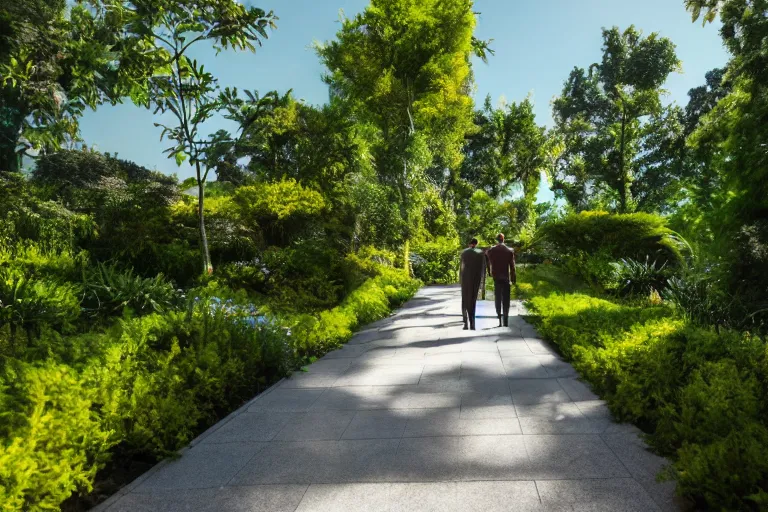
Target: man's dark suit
[[470, 276], [502, 267]]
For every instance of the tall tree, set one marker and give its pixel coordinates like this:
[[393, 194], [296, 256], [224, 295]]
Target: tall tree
[[608, 117], [405, 66], [734, 135], [507, 149], [55, 61], [166, 30]]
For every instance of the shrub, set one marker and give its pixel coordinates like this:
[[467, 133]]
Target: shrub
[[32, 260], [109, 290], [313, 335], [700, 395], [51, 440], [435, 262], [595, 269], [640, 278], [637, 236], [26, 218], [306, 277], [29, 303]]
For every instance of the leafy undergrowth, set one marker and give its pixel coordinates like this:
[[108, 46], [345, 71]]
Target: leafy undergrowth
[[83, 413], [700, 396]]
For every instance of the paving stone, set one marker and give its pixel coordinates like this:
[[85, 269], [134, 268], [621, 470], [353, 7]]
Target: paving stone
[[381, 424], [536, 391], [423, 459], [520, 496], [351, 398], [320, 462], [348, 351], [205, 465], [539, 346], [286, 400], [604, 495], [421, 400], [349, 497], [367, 336], [482, 406], [567, 425], [593, 409], [513, 348], [577, 390], [572, 456], [252, 427], [550, 410], [522, 367], [316, 426], [302, 380], [441, 372], [264, 498], [485, 344], [556, 367], [448, 422], [644, 465], [332, 366]]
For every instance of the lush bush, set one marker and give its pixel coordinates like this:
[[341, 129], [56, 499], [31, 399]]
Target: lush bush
[[27, 303], [316, 334], [637, 236], [26, 217], [143, 389], [700, 395], [52, 442], [109, 290], [32, 260], [640, 277], [305, 277], [435, 262]]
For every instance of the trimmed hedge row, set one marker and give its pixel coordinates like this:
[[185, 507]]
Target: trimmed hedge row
[[701, 396]]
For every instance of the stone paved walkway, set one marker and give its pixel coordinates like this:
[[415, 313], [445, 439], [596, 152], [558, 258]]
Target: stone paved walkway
[[415, 414]]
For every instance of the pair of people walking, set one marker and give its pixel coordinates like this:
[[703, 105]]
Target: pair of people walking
[[499, 262]]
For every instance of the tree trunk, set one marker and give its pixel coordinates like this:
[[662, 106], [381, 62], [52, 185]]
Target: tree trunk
[[624, 182], [10, 130], [206, 256]]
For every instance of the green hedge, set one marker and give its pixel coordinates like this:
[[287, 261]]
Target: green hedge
[[702, 396], [436, 262]]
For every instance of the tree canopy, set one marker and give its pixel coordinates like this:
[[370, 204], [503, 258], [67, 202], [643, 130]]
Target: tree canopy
[[612, 121]]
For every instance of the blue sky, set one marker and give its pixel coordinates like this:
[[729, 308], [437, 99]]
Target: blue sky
[[537, 43]]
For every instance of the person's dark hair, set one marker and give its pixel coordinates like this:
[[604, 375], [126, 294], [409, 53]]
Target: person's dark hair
[[500, 238], [473, 241]]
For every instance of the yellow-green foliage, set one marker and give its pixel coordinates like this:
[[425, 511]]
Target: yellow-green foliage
[[51, 440], [701, 395], [33, 260], [278, 200], [436, 262], [28, 303], [316, 334]]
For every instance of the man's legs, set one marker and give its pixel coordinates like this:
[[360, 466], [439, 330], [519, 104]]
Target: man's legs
[[471, 309], [497, 296], [505, 301], [464, 312]]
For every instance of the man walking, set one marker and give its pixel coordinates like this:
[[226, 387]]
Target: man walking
[[470, 275], [501, 261]]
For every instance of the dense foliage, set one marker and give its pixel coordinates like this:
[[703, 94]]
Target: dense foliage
[[136, 310], [699, 394]]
